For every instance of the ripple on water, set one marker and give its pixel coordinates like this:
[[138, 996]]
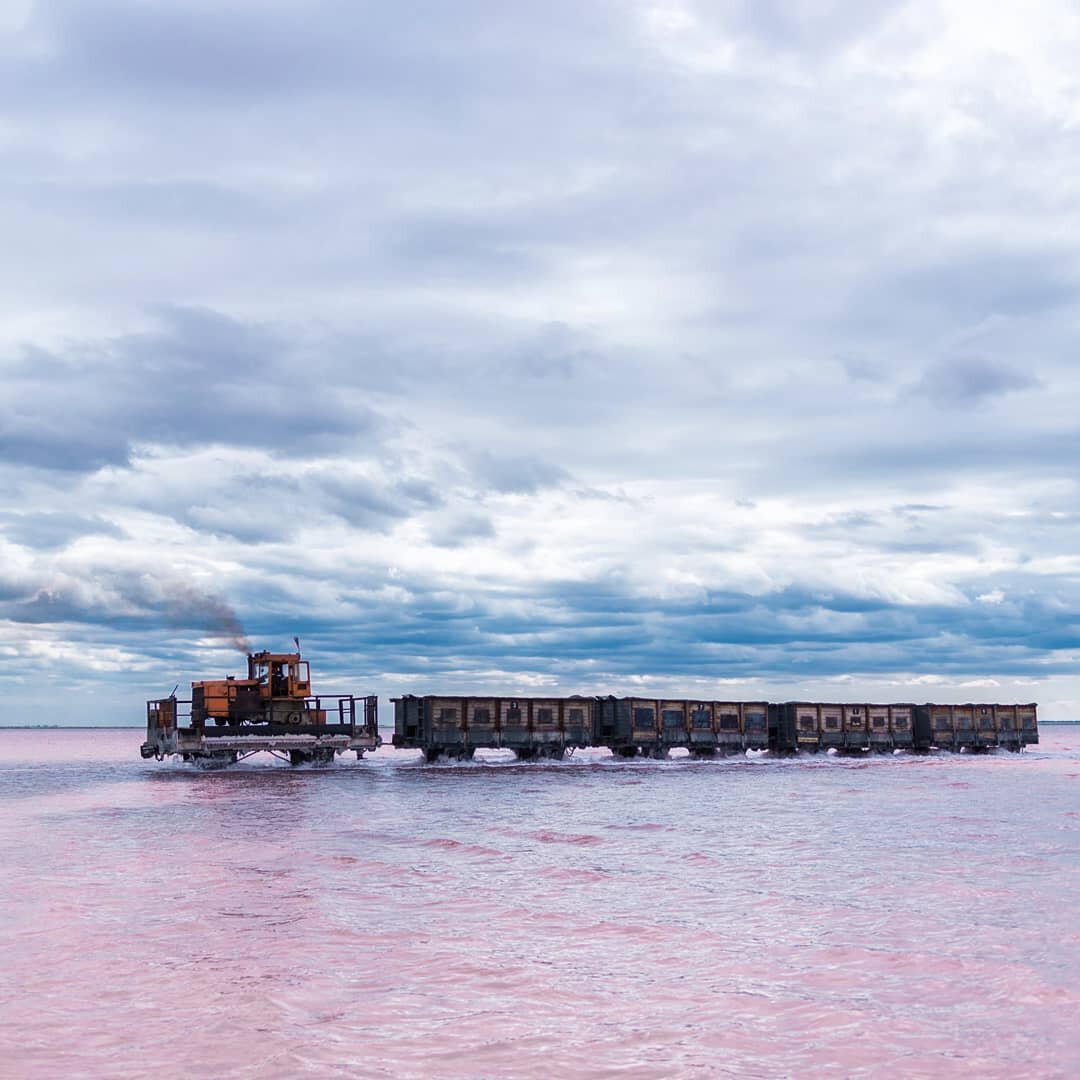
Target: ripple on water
[[901, 916]]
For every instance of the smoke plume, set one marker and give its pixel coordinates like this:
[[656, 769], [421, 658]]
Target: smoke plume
[[190, 607]]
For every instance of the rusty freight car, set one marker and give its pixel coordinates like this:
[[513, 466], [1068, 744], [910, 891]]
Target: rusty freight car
[[811, 727], [652, 727], [456, 726], [726, 727], [975, 727], [647, 726]]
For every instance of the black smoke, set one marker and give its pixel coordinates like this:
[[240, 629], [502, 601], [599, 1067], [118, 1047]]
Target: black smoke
[[191, 607]]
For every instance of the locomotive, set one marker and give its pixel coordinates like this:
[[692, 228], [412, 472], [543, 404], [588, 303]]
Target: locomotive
[[272, 710]]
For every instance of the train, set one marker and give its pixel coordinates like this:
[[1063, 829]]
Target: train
[[444, 726], [274, 710]]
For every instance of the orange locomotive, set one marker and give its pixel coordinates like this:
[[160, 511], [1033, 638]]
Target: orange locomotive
[[276, 691], [272, 709]]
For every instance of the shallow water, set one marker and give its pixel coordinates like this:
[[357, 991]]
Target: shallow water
[[905, 915]]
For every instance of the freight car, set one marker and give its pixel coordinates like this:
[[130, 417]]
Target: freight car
[[456, 726], [976, 727], [812, 726]]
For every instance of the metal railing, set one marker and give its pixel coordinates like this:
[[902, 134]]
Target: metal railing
[[340, 712]]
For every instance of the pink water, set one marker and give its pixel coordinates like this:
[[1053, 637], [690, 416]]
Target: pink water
[[592, 918]]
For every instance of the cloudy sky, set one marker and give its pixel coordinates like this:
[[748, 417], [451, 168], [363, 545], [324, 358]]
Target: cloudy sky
[[727, 348]]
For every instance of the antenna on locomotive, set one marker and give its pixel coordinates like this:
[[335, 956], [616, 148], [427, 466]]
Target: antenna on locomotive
[[296, 642]]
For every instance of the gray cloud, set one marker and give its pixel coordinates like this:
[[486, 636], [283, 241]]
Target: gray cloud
[[201, 378], [611, 338], [968, 380], [454, 248], [860, 369], [188, 54], [154, 203], [458, 529], [50, 529], [513, 473], [823, 26], [123, 598], [367, 504], [978, 284]]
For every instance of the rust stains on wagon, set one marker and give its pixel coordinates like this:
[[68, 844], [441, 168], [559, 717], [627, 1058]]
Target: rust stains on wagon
[[652, 727], [456, 727]]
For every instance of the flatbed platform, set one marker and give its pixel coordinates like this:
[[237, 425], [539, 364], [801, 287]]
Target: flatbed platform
[[297, 729], [269, 742], [298, 747]]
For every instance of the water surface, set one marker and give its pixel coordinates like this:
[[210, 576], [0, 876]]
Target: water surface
[[893, 916]]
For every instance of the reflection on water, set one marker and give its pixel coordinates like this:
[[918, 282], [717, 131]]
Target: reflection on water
[[898, 916]]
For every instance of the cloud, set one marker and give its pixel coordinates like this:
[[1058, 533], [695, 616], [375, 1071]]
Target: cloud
[[970, 380], [54, 529], [860, 369], [517, 474], [199, 53], [457, 530], [800, 25], [572, 345], [975, 284], [198, 378], [367, 503]]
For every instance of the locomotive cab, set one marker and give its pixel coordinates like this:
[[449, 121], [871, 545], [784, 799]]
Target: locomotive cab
[[279, 675]]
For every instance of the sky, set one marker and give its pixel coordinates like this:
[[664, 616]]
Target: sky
[[719, 349]]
